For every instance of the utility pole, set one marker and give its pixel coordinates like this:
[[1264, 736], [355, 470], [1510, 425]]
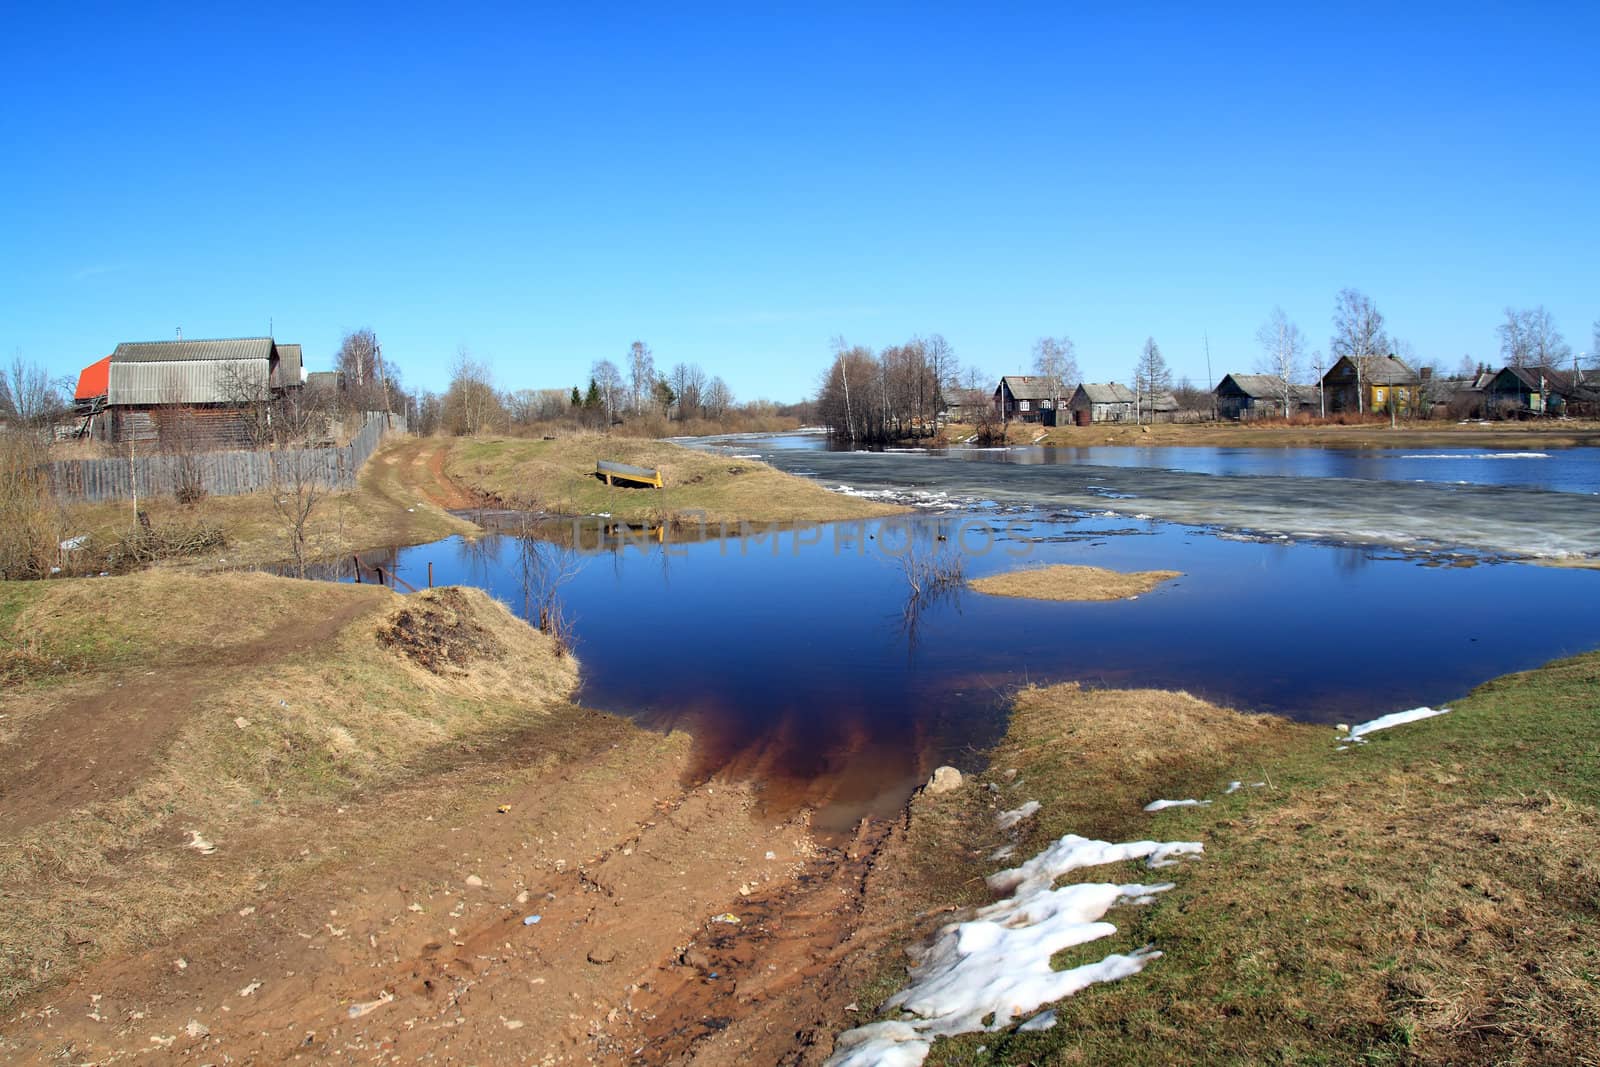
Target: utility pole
[[1211, 386]]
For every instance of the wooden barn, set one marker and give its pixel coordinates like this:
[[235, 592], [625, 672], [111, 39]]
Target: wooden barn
[[209, 389]]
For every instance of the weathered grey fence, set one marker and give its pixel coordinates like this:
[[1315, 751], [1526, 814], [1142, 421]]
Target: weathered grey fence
[[220, 473]]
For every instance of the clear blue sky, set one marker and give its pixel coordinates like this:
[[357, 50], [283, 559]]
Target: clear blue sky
[[735, 188]]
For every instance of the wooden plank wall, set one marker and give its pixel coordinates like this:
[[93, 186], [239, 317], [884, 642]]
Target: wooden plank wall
[[220, 473]]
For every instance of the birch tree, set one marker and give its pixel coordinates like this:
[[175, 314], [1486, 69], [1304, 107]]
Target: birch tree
[[1282, 349], [1358, 335], [1529, 338], [641, 374], [1055, 360], [609, 381]]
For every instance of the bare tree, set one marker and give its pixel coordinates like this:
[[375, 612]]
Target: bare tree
[[945, 369], [718, 399], [1282, 347], [250, 395], [297, 489], [688, 383], [367, 381], [641, 374], [1358, 335], [1529, 338], [1055, 359], [1151, 378], [544, 567], [28, 397], [471, 404], [609, 381]]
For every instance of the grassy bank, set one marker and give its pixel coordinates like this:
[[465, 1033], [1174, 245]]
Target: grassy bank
[[558, 476], [397, 502], [1432, 896], [172, 744]]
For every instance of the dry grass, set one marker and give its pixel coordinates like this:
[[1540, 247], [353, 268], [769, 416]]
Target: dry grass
[[558, 476], [270, 729], [374, 515], [1067, 582]]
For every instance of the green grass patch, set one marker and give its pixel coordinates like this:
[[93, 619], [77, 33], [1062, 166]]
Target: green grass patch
[[1432, 896]]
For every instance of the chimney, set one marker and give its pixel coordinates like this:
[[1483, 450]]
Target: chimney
[[1427, 373]]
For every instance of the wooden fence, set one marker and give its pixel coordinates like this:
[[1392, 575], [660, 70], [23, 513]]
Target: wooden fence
[[220, 473]]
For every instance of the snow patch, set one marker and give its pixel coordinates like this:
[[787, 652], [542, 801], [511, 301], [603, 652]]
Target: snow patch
[[1163, 805], [1007, 819], [998, 962], [1358, 733]]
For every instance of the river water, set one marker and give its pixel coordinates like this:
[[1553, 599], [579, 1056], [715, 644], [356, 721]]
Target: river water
[[800, 660]]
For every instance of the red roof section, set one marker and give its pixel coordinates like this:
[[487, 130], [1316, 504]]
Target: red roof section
[[95, 380]]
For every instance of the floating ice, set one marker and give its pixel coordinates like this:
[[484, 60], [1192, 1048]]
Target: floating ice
[[1479, 455]]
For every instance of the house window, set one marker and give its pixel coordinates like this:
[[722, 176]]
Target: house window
[[1404, 394], [1378, 395], [1022, 405]]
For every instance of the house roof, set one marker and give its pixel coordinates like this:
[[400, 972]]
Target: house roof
[[1381, 370], [1031, 386], [1163, 402], [164, 351], [1257, 386], [1106, 393], [288, 371], [92, 380], [1555, 381]]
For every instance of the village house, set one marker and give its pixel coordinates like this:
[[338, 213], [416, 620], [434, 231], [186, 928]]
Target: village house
[[1105, 402], [1261, 396], [1517, 391], [1031, 398], [1386, 384], [208, 383]]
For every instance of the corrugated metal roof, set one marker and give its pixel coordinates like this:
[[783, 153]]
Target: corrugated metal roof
[[190, 381], [286, 373], [165, 351], [1107, 393]]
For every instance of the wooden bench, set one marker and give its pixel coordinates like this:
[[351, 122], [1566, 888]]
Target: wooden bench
[[614, 472]]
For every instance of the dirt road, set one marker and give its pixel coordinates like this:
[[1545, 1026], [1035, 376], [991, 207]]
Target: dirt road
[[560, 890]]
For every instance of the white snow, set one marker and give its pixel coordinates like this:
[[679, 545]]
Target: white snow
[[998, 962], [1233, 787], [1163, 805], [1008, 819], [1045, 1020], [1359, 731]]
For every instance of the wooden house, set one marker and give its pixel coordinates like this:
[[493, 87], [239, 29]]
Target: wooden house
[[1105, 402], [1517, 391], [1031, 398], [1385, 384], [1261, 396]]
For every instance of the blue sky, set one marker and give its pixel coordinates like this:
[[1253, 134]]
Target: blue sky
[[545, 186]]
